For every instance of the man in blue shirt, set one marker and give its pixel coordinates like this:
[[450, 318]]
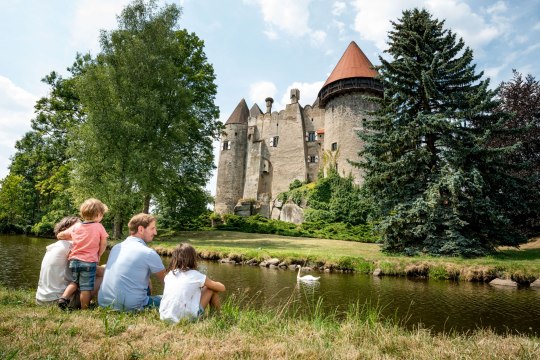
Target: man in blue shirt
[[125, 286]]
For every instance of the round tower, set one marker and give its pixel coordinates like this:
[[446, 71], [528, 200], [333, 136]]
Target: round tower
[[232, 160], [343, 98]]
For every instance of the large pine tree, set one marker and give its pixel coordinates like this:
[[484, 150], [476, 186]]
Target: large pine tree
[[427, 158]]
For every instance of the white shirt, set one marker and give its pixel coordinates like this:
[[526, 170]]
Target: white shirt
[[181, 295], [54, 275]]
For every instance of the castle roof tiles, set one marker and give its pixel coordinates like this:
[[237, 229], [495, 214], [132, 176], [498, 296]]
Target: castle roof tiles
[[240, 114], [353, 64]]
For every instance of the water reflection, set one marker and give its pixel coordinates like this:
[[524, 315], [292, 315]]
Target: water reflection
[[439, 305]]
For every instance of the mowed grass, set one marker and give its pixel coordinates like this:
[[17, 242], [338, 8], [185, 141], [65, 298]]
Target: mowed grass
[[522, 265], [28, 331]]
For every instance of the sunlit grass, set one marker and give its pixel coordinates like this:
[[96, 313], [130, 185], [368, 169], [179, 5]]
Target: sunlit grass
[[28, 331]]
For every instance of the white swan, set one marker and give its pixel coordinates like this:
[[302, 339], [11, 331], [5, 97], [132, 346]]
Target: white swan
[[306, 278]]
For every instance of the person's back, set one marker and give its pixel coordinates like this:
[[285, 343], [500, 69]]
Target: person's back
[[187, 292], [126, 282], [55, 275]]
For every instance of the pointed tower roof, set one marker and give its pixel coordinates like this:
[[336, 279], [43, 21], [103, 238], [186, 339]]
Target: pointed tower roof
[[240, 114], [255, 110], [353, 63], [353, 73]]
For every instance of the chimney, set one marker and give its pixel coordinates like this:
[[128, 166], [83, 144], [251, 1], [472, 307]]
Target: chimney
[[269, 102]]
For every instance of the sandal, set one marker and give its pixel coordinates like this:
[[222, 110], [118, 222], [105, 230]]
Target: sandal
[[63, 303]]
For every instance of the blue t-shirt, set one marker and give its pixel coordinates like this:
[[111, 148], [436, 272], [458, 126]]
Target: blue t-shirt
[[128, 270]]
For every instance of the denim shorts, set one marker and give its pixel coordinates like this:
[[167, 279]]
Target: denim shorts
[[84, 274]]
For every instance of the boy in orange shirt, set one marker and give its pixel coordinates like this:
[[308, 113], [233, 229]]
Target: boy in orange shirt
[[89, 243]]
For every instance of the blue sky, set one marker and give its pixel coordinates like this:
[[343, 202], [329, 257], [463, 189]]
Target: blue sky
[[259, 48]]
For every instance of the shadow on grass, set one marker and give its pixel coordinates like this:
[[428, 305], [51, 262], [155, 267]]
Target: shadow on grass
[[511, 254]]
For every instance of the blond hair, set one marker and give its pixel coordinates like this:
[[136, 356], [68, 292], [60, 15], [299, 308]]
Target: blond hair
[[92, 208], [141, 219]]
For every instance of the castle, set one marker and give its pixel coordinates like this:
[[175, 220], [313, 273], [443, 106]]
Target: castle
[[262, 153]]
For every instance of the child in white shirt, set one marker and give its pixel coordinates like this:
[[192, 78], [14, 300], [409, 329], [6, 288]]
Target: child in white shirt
[[187, 292]]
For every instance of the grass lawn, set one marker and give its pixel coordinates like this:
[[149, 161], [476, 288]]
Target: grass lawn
[[522, 265]]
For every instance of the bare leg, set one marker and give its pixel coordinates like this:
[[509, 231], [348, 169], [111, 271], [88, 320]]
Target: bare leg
[[70, 290], [86, 295], [100, 272], [210, 297]]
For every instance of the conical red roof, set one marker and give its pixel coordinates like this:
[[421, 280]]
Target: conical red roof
[[354, 63]]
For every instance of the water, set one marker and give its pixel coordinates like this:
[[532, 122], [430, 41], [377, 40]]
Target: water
[[438, 305]]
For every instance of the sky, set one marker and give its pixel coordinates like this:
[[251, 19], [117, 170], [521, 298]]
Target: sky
[[259, 48]]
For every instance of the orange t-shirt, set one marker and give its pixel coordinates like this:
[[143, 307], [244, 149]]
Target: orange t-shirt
[[86, 239]]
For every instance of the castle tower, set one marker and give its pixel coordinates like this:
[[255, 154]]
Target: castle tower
[[232, 160], [342, 97]]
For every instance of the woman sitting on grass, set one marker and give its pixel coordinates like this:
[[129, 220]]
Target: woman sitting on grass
[[187, 292]]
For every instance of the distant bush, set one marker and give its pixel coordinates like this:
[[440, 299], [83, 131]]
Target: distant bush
[[316, 229]]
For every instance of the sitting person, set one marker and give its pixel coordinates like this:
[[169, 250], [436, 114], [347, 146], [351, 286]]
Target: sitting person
[[187, 292], [125, 286], [55, 274]]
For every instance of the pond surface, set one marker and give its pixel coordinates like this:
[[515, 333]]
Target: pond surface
[[438, 305]]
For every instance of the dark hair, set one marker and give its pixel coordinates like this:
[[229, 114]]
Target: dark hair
[[184, 257], [141, 219], [65, 224]]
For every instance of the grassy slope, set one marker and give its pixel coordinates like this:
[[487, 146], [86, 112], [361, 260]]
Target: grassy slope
[[522, 264], [28, 331]]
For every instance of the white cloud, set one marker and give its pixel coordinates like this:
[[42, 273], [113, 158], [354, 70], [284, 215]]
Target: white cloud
[[308, 92], [16, 111], [536, 26], [260, 90], [499, 7], [318, 37], [338, 7], [90, 17], [289, 17], [372, 20]]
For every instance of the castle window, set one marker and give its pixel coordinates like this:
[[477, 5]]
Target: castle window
[[334, 146], [226, 145], [311, 136], [313, 159], [274, 141]]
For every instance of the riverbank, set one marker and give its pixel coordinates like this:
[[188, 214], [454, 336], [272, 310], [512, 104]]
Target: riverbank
[[520, 265], [30, 331]]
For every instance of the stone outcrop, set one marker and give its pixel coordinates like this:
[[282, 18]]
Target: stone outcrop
[[503, 282]]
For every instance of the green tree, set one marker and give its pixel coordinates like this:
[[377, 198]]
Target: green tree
[[151, 118], [40, 164], [428, 164], [521, 97]]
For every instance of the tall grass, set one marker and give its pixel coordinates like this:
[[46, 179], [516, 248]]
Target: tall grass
[[28, 331]]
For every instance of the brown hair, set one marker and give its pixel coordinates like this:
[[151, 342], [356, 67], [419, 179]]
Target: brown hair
[[65, 224], [184, 257], [141, 219], [92, 208]]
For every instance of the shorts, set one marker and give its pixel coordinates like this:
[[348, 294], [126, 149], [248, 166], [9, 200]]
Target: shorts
[[153, 302], [84, 274]]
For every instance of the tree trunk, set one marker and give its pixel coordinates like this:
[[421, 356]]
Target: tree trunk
[[117, 230], [146, 205]]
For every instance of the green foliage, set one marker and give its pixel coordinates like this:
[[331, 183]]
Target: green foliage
[[323, 230], [295, 184], [430, 170]]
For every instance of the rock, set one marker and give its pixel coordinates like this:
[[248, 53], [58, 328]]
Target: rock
[[536, 284], [292, 267], [272, 266], [327, 270], [503, 282], [263, 264], [377, 272], [278, 203], [273, 261], [275, 213], [292, 213]]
